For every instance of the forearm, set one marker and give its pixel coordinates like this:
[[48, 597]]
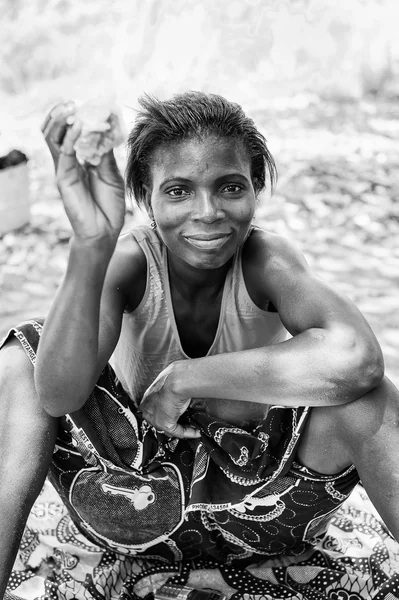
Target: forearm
[[307, 370], [66, 367]]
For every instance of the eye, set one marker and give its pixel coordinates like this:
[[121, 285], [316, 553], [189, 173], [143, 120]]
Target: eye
[[177, 192], [232, 188]]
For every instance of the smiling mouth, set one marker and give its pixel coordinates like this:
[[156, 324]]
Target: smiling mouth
[[208, 242]]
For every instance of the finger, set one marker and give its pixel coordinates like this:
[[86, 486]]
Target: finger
[[57, 125], [54, 139], [108, 172], [70, 139], [191, 433], [108, 162], [49, 116], [155, 386], [67, 155], [68, 107], [56, 128], [49, 126], [183, 432]]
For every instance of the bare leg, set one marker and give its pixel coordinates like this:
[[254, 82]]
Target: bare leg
[[27, 436], [366, 433], [370, 429]]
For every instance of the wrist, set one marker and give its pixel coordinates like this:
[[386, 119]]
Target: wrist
[[178, 380], [88, 261], [96, 247]]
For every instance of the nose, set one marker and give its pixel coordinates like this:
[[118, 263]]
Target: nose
[[208, 207]]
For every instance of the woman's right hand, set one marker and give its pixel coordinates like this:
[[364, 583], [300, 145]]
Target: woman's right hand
[[94, 197]]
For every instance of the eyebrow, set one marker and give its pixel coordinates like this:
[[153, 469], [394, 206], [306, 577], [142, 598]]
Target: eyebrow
[[187, 180], [177, 178]]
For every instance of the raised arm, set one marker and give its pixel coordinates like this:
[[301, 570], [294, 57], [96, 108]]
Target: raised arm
[[333, 357], [84, 322]]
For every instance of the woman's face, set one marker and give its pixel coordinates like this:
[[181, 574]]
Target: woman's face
[[202, 199]]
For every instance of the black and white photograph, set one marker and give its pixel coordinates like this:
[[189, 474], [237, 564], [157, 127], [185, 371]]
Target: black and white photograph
[[199, 294]]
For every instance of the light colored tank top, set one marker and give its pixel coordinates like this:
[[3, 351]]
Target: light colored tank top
[[149, 339]]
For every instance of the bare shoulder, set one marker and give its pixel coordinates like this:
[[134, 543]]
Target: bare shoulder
[[266, 251], [267, 260]]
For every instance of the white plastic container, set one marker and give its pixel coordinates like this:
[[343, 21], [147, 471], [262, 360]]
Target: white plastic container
[[14, 198]]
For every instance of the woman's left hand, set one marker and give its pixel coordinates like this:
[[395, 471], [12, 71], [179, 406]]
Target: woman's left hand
[[162, 408]]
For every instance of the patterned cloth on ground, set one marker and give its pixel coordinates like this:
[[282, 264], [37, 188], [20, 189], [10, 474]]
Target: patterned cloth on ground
[[357, 559]]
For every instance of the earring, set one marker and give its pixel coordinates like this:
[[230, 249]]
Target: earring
[[153, 225]]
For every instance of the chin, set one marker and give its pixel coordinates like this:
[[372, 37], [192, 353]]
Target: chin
[[208, 263], [209, 258]]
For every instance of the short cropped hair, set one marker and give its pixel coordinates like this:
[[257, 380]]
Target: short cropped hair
[[187, 116]]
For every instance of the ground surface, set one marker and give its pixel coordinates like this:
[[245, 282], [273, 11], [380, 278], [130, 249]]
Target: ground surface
[[338, 197]]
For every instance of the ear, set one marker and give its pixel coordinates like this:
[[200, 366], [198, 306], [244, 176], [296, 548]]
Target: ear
[[147, 200]]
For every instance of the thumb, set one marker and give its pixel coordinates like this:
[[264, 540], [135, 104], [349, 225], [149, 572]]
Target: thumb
[[184, 432], [67, 166], [108, 165], [191, 433], [108, 172]]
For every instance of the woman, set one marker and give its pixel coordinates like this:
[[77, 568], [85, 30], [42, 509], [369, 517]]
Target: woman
[[198, 445]]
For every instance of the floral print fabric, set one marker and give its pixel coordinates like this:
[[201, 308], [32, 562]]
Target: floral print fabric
[[134, 508]]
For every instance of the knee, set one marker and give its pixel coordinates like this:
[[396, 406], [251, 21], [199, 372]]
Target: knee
[[17, 387], [377, 409], [26, 430], [16, 370], [383, 397]]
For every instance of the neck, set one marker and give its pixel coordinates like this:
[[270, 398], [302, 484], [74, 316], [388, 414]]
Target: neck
[[190, 282]]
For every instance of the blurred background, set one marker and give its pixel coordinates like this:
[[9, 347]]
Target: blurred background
[[319, 77]]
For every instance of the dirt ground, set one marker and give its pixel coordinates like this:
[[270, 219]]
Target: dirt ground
[[337, 197]]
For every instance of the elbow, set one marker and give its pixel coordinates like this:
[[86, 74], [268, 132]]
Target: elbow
[[53, 411], [364, 366], [372, 371], [59, 409], [54, 401], [370, 374]]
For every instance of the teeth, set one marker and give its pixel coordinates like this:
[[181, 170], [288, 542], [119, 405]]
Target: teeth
[[208, 243]]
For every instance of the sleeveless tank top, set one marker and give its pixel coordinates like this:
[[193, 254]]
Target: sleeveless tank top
[[149, 339]]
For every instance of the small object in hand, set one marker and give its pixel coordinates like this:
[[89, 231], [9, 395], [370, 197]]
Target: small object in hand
[[102, 130]]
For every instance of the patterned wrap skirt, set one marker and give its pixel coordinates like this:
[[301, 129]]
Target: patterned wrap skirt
[[227, 505]]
